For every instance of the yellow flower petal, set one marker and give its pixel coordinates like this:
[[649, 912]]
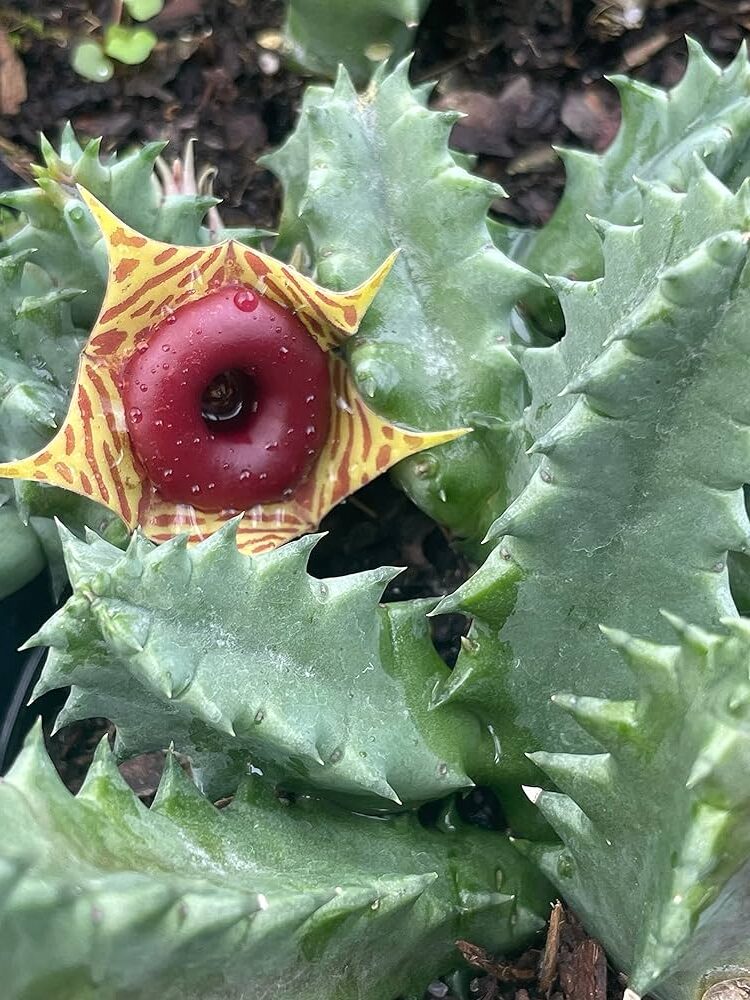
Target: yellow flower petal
[[92, 453]]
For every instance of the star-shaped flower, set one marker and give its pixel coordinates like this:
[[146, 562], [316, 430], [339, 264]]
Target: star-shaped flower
[[210, 387]]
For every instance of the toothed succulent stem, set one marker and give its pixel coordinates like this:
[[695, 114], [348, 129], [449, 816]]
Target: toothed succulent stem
[[184, 901]]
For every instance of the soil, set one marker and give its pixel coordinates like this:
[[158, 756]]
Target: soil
[[527, 73]]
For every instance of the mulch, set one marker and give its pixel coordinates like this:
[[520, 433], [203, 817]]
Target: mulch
[[527, 73]]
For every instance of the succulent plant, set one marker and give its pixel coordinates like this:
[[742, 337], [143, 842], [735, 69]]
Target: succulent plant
[[663, 137], [106, 898], [616, 459], [655, 846], [153, 638], [318, 37]]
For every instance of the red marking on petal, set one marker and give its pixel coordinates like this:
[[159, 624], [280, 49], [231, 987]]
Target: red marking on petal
[[414, 440], [387, 431], [256, 264], [383, 458], [108, 342], [157, 280], [84, 407], [163, 257], [42, 457], [125, 267], [364, 424], [121, 495], [86, 483], [281, 292], [120, 238], [350, 315], [210, 260], [143, 310], [70, 440], [64, 471]]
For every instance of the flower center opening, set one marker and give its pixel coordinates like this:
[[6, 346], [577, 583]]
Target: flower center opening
[[228, 400]]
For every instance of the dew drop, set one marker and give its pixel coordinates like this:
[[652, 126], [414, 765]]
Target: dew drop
[[167, 473], [171, 318], [263, 475], [225, 465], [142, 348], [165, 366], [178, 442], [287, 492], [195, 488], [245, 300], [212, 486], [135, 415], [158, 423], [310, 398], [166, 348], [244, 475], [272, 446], [260, 715], [196, 440], [442, 770], [310, 430], [283, 351], [565, 866], [144, 388], [336, 756]]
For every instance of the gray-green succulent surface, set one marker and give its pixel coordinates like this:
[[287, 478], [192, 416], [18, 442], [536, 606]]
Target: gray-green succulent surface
[[606, 668]]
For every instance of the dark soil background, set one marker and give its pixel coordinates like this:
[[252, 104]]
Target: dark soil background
[[528, 74]]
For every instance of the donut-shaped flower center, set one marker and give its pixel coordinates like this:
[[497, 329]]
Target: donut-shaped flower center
[[228, 402]]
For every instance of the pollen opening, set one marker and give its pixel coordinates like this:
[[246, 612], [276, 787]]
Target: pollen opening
[[229, 400]]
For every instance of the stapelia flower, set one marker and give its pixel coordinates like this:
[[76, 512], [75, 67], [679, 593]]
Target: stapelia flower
[[210, 387]]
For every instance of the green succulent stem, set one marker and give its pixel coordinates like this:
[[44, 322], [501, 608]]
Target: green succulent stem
[[103, 898], [368, 174]]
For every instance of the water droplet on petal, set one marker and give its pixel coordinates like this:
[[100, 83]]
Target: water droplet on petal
[[245, 300], [283, 351], [135, 415], [245, 474], [166, 348], [195, 488], [310, 430], [167, 473], [171, 318]]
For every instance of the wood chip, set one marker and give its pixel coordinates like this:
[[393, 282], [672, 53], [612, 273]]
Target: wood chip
[[506, 972], [584, 976], [13, 91], [548, 966]]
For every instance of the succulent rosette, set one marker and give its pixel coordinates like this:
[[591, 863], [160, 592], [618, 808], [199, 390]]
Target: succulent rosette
[[211, 387]]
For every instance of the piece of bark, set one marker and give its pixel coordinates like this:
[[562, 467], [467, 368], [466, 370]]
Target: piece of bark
[[548, 965]]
